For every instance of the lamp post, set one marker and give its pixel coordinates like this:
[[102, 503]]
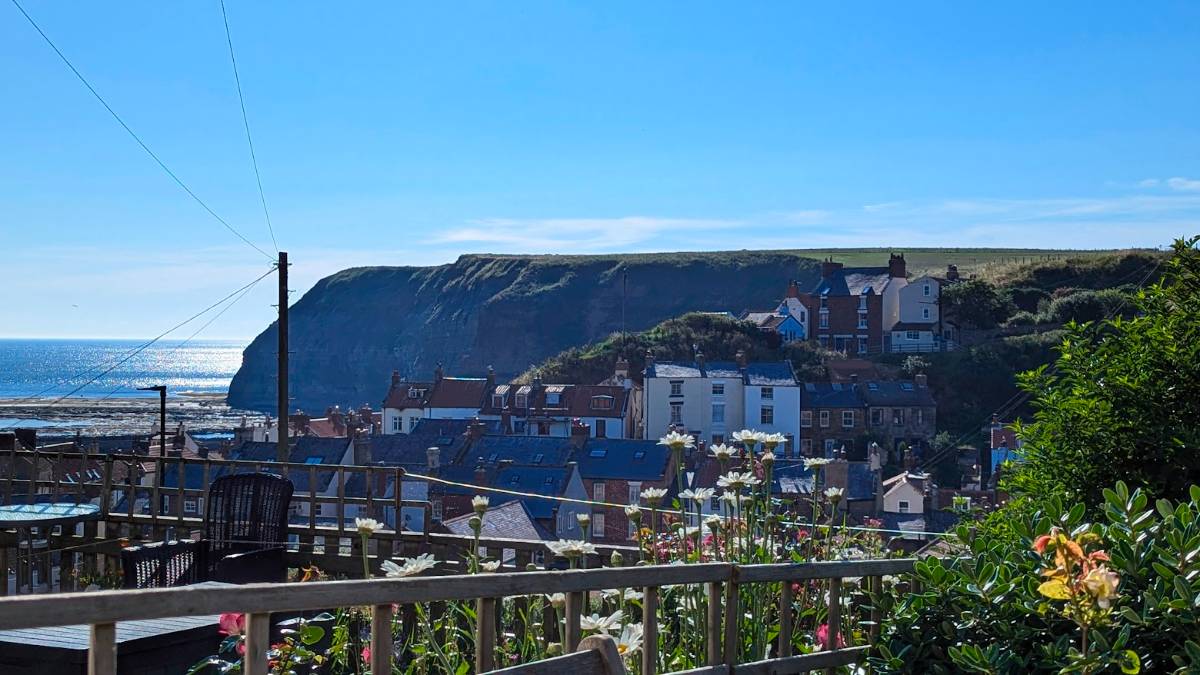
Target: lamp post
[[162, 415]]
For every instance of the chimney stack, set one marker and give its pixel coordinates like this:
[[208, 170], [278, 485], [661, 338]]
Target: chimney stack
[[921, 380], [480, 475], [896, 266], [740, 358], [621, 371], [828, 267], [700, 361], [951, 272], [396, 378], [793, 289], [475, 430], [491, 378], [433, 457], [649, 361], [362, 449], [438, 373], [579, 432]]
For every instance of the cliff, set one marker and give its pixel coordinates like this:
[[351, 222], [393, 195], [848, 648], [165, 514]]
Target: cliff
[[353, 328]]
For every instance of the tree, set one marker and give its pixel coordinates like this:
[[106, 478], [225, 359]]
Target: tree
[[977, 303], [1123, 398]]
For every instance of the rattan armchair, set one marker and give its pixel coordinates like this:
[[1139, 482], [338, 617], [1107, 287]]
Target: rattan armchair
[[244, 537]]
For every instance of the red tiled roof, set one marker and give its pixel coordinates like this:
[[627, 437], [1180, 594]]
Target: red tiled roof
[[458, 392]]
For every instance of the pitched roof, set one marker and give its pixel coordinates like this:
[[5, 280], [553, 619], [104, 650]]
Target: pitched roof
[[550, 481], [313, 450], [861, 481], [829, 395], [758, 318], [624, 459], [528, 450], [792, 479], [896, 393], [458, 392], [407, 395], [511, 520], [764, 373], [433, 428], [585, 401]]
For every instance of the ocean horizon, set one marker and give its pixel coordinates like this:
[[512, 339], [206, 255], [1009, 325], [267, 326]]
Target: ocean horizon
[[55, 367]]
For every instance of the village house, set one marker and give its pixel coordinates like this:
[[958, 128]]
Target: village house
[[713, 400], [615, 471], [404, 405], [901, 413], [832, 417]]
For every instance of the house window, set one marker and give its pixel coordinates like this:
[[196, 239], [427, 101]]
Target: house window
[[437, 509], [522, 401], [519, 427], [912, 335], [497, 401], [897, 416], [598, 491], [824, 320], [676, 413], [824, 302], [824, 419], [806, 446], [918, 415], [806, 418], [602, 402], [768, 393], [862, 345], [877, 416], [829, 445], [601, 429], [718, 413], [924, 312], [412, 423], [553, 398], [862, 302], [862, 320], [718, 439], [718, 389], [543, 428], [635, 492], [847, 419], [677, 387], [598, 525], [928, 291], [823, 340], [397, 424], [189, 506], [632, 530], [537, 459], [902, 506], [766, 415]]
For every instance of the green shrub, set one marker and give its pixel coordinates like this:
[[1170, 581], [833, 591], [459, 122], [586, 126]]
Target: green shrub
[[1026, 298], [1084, 306], [979, 610]]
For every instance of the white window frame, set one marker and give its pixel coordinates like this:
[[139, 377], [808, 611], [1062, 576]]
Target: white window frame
[[767, 393], [677, 388], [676, 413], [598, 491], [190, 506], [912, 335], [718, 388], [766, 414], [928, 290], [806, 419], [598, 525], [718, 419], [824, 319], [903, 506], [635, 492], [862, 321], [824, 418], [924, 312], [848, 414]]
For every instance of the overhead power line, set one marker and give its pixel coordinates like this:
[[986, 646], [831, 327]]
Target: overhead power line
[[246, 123], [132, 134]]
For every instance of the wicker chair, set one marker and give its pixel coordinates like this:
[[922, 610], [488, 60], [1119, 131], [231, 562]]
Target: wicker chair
[[245, 527]]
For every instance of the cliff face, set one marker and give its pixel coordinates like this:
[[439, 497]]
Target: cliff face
[[353, 328]]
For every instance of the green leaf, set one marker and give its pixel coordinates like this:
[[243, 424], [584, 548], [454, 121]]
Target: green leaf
[[1054, 589], [311, 635]]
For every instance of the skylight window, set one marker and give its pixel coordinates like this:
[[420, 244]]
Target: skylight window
[[537, 459], [598, 453], [639, 454], [313, 460]]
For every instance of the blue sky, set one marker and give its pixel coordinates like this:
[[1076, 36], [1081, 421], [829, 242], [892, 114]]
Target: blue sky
[[392, 133]]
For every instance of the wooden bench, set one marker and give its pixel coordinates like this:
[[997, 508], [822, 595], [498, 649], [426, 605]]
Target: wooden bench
[[597, 655]]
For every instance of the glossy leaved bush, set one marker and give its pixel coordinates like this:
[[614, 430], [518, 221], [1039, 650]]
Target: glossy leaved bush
[[979, 610]]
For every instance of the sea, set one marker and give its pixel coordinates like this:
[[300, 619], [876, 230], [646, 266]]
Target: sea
[[94, 386], [47, 368]]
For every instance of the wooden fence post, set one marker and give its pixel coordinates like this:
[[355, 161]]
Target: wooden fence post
[[573, 610], [785, 619], [713, 628], [650, 630], [834, 618], [258, 639], [731, 619], [485, 635], [381, 639], [102, 649]]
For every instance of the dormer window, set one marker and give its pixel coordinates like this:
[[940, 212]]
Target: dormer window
[[602, 402], [824, 302], [522, 401], [553, 398], [862, 302], [498, 401]]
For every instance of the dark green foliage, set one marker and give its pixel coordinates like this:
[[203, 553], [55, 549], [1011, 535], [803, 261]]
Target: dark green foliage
[[976, 304], [979, 609], [1108, 270], [1083, 306], [1027, 299], [1123, 398]]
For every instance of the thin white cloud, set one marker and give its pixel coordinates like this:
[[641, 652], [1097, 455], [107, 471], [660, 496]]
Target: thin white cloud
[[1183, 184], [571, 235]]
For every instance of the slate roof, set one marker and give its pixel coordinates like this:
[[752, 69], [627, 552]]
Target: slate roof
[[408, 395], [758, 318], [529, 450], [791, 479], [551, 481], [829, 395], [896, 393], [409, 450], [432, 428], [861, 481], [314, 450], [458, 392], [511, 520], [853, 281], [622, 459], [574, 400], [771, 373]]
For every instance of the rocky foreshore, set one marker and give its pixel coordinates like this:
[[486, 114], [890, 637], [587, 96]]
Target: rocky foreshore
[[117, 416]]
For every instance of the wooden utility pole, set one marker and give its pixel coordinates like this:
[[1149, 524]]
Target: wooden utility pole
[[162, 415], [281, 444]]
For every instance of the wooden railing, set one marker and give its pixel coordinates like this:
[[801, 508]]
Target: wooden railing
[[103, 610], [138, 503]]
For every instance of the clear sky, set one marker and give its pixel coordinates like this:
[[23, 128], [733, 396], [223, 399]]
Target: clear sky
[[409, 133]]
